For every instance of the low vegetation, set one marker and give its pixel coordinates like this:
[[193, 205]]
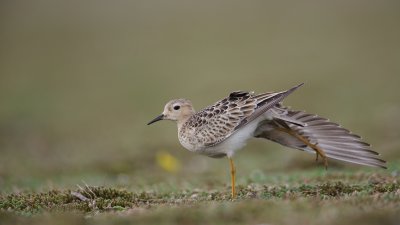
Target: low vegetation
[[101, 199], [376, 200]]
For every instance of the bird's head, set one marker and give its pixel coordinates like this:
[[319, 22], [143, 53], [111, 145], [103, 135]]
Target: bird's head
[[176, 110]]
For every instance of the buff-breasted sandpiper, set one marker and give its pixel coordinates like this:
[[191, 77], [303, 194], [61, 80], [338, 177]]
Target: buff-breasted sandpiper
[[223, 128]]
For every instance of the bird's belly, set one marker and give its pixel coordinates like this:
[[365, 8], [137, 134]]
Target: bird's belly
[[233, 143]]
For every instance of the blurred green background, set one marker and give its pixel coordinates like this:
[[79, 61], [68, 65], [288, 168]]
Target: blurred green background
[[79, 80]]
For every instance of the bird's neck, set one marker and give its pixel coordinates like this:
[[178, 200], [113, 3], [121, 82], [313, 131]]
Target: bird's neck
[[183, 120]]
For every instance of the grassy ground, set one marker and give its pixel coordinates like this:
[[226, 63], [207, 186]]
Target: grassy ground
[[79, 81], [367, 198]]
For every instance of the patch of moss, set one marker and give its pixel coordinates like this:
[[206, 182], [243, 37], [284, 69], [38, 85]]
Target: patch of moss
[[100, 199], [94, 198]]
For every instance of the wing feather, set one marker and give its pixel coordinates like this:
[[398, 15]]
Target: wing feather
[[337, 142], [228, 115]]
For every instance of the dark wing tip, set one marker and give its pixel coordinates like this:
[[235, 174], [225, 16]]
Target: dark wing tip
[[238, 94], [383, 165], [295, 87]]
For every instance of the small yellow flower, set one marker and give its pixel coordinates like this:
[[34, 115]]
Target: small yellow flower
[[168, 162]]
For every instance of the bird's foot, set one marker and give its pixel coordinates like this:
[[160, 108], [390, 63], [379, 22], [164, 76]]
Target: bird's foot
[[319, 152]]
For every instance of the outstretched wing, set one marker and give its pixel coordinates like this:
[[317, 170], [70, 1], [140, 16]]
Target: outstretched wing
[[216, 123], [336, 141]]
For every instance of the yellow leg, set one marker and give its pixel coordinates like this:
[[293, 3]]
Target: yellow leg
[[317, 149], [233, 174]]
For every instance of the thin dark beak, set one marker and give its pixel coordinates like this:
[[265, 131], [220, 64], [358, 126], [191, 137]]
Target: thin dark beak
[[158, 118]]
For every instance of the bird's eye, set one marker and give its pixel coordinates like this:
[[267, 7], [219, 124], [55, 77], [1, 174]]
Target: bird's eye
[[177, 107]]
